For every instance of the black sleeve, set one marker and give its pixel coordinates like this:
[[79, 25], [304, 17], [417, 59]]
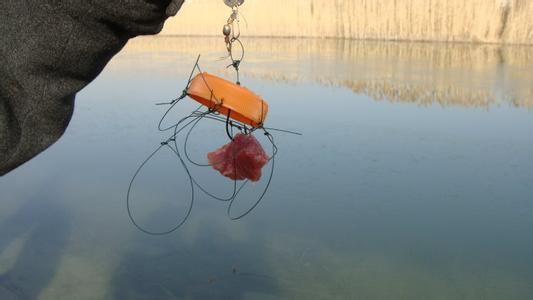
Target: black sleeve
[[50, 50]]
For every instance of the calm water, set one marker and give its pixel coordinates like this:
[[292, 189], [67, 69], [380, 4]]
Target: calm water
[[413, 180]]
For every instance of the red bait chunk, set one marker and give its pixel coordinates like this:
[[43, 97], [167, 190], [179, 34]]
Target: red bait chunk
[[242, 158]]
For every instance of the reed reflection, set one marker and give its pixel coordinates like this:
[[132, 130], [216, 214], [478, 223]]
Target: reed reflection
[[466, 75]]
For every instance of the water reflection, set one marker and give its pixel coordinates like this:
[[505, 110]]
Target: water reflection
[[466, 75], [31, 246], [379, 201], [211, 265]]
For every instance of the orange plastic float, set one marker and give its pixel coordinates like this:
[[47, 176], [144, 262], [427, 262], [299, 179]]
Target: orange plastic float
[[228, 98]]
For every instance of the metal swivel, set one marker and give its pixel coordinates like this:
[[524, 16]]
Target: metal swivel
[[226, 30]]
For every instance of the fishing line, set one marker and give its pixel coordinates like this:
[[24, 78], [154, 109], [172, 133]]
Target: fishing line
[[188, 123]]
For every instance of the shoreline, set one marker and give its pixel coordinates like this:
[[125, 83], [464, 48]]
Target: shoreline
[[301, 37]]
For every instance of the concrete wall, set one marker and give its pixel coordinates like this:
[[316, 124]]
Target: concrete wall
[[490, 21]]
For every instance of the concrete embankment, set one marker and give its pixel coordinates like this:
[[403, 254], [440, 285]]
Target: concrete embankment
[[485, 21]]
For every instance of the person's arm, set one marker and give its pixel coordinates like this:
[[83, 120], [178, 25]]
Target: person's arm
[[50, 50]]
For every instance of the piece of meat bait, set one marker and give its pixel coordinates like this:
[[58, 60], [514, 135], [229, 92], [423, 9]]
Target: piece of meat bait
[[242, 158]]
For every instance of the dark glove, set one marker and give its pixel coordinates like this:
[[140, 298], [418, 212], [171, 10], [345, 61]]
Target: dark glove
[[50, 50]]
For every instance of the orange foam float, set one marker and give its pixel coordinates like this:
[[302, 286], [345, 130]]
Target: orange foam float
[[229, 99]]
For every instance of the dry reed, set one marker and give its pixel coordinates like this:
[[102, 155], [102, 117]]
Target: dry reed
[[488, 21]]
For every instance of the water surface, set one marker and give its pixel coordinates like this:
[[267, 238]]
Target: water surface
[[412, 180]]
